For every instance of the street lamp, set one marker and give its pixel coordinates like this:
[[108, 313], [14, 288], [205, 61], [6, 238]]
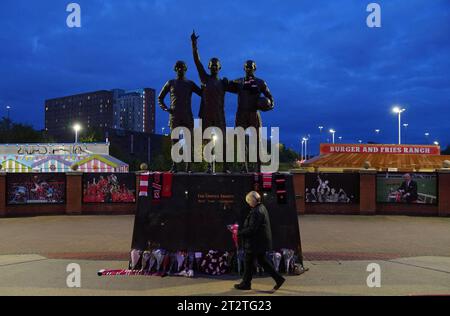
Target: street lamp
[[332, 131], [360, 141], [7, 111], [398, 110], [305, 140], [76, 128], [426, 137], [301, 152], [406, 129], [436, 143], [340, 138]]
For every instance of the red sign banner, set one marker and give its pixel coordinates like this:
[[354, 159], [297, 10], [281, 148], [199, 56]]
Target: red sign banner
[[379, 149]]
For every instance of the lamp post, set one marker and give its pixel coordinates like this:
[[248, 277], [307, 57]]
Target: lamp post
[[426, 137], [76, 128], [305, 139], [301, 152], [436, 143], [398, 110], [7, 111], [405, 125], [332, 131], [377, 131], [340, 139]]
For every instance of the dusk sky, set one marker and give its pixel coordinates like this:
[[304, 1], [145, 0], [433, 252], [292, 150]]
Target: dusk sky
[[322, 63]]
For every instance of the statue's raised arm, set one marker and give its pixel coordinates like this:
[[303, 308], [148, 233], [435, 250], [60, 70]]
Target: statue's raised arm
[[200, 68]]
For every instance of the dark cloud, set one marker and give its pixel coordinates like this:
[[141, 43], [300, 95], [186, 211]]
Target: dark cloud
[[322, 63]]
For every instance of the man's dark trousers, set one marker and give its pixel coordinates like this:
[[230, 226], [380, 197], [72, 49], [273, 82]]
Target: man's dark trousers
[[264, 262]]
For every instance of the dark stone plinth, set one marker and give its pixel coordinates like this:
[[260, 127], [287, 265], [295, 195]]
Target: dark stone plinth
[[195, 218]]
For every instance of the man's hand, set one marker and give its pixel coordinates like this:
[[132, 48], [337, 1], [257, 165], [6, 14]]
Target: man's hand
[[194, 38]]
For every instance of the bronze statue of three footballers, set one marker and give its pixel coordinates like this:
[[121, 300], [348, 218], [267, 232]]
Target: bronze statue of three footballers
[[212, 107]]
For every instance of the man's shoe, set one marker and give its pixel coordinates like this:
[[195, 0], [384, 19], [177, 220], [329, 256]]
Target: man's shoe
[[209, 170], [242, 287], [279, 284]]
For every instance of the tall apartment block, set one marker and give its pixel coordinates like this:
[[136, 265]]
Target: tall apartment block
[[103, 110]]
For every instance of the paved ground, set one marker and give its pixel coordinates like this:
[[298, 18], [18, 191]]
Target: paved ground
[[413, 253]]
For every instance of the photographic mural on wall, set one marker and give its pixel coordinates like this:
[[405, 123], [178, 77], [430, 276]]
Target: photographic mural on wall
[[36, 188], [332, 188], [109, 188], [407, 188]]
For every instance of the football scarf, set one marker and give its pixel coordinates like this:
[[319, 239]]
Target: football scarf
[[125, 272], [280, 181], [167, 185], [267, 181], [143, 184], [157, 186], [256, 182]]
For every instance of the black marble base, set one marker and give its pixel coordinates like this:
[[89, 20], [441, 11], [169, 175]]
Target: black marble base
[[195, 218]]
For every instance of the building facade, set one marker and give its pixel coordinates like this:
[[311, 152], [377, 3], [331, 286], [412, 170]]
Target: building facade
[[101, 110]]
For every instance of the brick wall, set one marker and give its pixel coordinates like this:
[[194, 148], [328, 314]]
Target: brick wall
[[73, 205], [368, 205]]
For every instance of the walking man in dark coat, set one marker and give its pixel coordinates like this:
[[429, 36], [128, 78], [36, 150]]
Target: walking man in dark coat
[[255, 236]]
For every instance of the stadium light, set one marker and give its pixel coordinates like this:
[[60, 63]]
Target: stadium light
[[301, 152], [305, 139], [405, 125], [8, 108], [332, 131], [398, 110]]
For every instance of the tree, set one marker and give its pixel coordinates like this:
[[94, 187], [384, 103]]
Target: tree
[[446, 151], [16, 133], [92, 135]]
